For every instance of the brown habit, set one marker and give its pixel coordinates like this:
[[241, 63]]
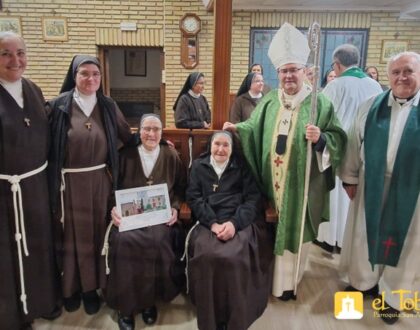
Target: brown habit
[[22, 149], [85, 202], [144, 262]]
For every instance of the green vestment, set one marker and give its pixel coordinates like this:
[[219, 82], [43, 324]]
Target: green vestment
[[256, 136]]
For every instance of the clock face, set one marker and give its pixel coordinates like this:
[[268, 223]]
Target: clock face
[[190, 24]]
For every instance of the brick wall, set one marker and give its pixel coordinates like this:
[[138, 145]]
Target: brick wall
[[49, 60], [381, 25]]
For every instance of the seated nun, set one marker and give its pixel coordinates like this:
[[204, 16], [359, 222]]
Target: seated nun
[[229, 250], [144, 263]]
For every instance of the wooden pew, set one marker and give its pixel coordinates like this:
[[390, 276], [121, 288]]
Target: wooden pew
[[181, 138], [199, 140]]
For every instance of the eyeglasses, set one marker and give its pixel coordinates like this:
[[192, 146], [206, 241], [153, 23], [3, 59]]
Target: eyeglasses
[[332, 65], [150, 129], [291, 71], [87, 75]]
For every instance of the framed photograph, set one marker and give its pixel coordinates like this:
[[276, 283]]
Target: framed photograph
[[54, 28], [10, 24], [391, 48], [135, 63], [143, 206]]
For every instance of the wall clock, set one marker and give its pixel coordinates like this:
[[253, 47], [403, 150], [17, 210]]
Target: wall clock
[[190, 25]]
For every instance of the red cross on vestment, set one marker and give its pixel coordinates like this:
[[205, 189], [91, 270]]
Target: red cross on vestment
[[278, 161], [388, 244]]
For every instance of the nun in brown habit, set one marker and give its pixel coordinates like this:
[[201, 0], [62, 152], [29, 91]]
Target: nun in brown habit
[[29, 280], [144, 263], [229, 250], [86, 128]]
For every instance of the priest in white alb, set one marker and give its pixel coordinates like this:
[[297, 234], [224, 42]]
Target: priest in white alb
[[381, 173], [347, 91]]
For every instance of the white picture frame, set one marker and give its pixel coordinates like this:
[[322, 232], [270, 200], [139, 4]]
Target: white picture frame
[[11, 24], [143, 206]]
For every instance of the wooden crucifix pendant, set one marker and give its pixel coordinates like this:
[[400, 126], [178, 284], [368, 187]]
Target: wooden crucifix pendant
[[27, 122], [88, 125]]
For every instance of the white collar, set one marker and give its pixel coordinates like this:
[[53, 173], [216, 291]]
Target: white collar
[[86, 102], [218, 168], [257, 96], [148, 159], [392, 100], [194, 94]]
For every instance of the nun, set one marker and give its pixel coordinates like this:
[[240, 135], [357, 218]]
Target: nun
[[145, 265], [86, 129], [29, 286], [229, 250], [247, 98], [191, 107]]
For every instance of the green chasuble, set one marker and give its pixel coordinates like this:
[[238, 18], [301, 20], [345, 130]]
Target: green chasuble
[[256, 136]]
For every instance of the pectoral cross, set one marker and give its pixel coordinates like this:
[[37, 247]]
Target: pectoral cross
[[27, 122], [215, 186], [88, 125], [150, 181]]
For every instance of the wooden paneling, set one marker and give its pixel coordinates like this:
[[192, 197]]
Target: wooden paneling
[[139, 38], [357, 20]]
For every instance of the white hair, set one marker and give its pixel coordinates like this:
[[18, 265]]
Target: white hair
[[11, 34], [396, 57]]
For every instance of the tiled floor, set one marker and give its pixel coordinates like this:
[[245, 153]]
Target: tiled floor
[[313, 309]]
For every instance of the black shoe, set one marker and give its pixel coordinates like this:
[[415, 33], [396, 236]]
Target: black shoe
[[149, 315], [372, 292], [56, 313], [91, 302], [72, 303], [390, 315], [126, 322], [324, 245], [287, 295]]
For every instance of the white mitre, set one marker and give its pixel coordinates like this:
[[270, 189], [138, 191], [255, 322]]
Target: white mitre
[[289, 45]]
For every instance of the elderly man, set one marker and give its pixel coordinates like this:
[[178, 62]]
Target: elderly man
[[382, 175], [274, 141], [351, 87]]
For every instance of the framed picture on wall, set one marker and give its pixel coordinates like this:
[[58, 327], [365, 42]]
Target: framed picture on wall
[[135, 63], [10, 24], [391, 48], [54, 28]]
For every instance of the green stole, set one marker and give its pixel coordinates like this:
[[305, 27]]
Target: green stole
[[387, 223], [354, 72]]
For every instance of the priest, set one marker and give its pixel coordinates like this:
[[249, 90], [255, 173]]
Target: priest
[[381, 173]]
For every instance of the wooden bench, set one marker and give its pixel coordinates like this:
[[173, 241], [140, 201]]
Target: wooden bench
[[181, 138]]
